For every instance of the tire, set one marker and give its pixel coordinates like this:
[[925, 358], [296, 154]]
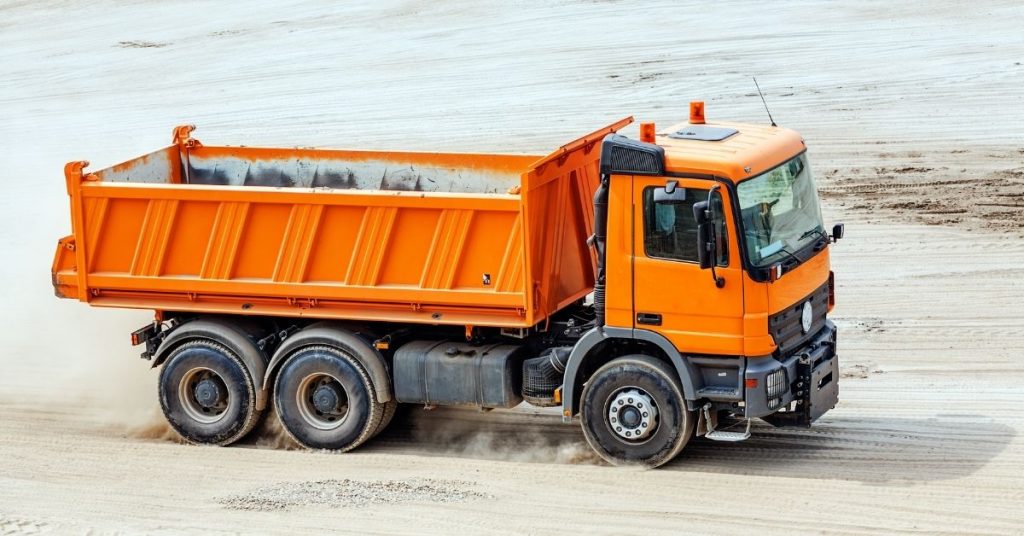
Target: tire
[[199, 366], [340, 383], [625, 383], [390, 408]]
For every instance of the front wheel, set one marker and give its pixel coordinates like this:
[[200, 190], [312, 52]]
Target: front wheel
[[634, 412]]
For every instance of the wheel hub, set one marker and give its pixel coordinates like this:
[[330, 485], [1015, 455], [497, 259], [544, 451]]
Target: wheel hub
[[632, 414], [325, 399], [630, 417], [207, 393], [203, 395], [322, 401]]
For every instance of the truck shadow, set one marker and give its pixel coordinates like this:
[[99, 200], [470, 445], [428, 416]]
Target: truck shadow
[[893, 451]]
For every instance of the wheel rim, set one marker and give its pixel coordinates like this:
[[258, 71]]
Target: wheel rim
[[203, 395], [632, 414], [322, 401]]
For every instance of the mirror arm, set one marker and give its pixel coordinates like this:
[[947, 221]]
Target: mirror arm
[[719, 281]]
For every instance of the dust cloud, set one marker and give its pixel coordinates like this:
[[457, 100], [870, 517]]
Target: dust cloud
[[518, 435], [63, 347], [270, 434], [154, 427]]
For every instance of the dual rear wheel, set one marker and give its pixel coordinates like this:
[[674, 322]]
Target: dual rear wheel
[[323, 397]]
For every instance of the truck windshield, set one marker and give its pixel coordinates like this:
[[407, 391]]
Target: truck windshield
[[780, 212]]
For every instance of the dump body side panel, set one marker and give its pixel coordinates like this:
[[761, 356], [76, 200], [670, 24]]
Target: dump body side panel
[[298, 252], [462, 239]]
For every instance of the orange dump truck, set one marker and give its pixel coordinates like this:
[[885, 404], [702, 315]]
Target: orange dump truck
[[337, 284]]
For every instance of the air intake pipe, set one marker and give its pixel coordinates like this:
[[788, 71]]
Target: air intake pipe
[[599, 239]]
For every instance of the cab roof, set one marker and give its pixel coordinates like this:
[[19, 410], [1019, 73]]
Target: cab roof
[[729, 150]]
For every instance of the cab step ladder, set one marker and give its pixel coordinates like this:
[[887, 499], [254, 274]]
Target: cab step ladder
[[718, 435]]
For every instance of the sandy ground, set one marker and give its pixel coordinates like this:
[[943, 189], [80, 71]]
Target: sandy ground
[[912, 112]]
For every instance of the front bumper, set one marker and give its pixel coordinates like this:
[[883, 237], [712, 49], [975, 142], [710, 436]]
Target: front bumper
[[809, 376]]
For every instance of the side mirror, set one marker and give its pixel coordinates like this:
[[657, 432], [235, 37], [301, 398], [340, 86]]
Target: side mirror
[[700, 212], [837, 231], [707, 255], [706, 245], [705, 235], [671, 194]]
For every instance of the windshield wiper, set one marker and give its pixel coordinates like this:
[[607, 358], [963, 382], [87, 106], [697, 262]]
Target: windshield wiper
[[787, 252], [818, 244], [817, 230]]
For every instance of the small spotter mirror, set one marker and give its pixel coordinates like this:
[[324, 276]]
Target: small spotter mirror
[[671, 194]]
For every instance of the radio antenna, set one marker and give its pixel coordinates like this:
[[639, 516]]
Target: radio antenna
[[763, 102]]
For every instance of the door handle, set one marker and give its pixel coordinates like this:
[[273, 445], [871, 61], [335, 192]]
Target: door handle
[[649, 319]]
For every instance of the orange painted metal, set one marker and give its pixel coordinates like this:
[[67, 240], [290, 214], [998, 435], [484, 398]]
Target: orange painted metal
[[753, 150], [474, 240], [698, 317], [147, 234]]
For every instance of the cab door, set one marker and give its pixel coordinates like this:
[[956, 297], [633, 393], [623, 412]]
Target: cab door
[[672, 294]]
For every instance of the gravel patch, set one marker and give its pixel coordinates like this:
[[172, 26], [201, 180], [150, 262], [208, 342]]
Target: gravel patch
[[351, 493]]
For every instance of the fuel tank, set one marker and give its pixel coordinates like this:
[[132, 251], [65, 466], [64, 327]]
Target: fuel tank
[[450, 373]]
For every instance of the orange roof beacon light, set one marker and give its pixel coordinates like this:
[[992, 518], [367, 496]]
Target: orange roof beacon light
[[647, 132], [697, 112]]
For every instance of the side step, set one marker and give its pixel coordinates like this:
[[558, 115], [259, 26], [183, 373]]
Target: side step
[[717, 435]]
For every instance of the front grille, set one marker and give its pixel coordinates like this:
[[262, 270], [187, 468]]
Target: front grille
[[785, 327]]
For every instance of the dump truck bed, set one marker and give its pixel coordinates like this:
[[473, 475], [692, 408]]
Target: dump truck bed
[[469, 239]]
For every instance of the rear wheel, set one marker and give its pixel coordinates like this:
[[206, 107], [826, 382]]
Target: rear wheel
[[207, 394], [390, 408], [634, 412], [325, 400]]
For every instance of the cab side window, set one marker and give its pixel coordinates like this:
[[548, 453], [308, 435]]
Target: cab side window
[[670, 232]]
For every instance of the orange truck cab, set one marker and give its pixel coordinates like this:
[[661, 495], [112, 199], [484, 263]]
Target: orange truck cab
[[655, 289], [715, 250]]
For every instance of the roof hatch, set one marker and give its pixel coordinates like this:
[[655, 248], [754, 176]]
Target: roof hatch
[[703, 133]]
